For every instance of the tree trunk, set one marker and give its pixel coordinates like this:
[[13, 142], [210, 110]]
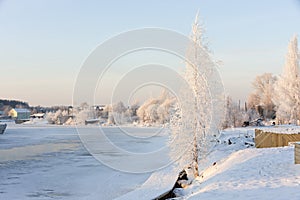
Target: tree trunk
[[195, 157]]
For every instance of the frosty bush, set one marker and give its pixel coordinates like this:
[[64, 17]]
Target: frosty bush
[[82, 115], [55, 117], [156, 110], [234, 115], [118, 114]]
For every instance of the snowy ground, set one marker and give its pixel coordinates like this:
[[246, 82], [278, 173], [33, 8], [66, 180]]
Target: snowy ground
[[49, 162], [39, 161], [240, 171]]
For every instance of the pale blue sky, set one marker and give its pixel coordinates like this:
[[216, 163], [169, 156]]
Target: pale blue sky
[[43, 43]]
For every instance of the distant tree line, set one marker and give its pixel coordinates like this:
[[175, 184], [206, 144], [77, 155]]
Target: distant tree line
[[7, 105], [154, 111], [13, 104]]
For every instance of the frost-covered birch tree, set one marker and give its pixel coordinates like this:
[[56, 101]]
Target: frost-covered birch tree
[[192, 124], [287, 93]]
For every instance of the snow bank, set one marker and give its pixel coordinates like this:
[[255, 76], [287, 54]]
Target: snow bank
[[239, 171], [286, 129], [159, 182], [251, 174]]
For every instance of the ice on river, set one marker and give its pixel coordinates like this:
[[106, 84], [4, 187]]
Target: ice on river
[[50, 162]]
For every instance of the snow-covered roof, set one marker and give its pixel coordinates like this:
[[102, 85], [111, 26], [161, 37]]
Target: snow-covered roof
[[21, 110], [284, 129], [38, 114]]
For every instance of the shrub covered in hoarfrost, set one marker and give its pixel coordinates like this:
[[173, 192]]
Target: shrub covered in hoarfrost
[[156, 110]]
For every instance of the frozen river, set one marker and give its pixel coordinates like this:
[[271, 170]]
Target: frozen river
[[50, 162]]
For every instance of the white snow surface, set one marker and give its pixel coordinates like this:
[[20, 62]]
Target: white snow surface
[[39, 161], [240, 171], [159, 183]]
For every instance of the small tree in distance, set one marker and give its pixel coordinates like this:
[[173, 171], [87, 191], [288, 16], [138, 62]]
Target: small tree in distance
[[263, 94], [234, 115]]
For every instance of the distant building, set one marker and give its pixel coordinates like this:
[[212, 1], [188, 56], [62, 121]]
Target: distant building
[[38, 115], [19, 114]]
